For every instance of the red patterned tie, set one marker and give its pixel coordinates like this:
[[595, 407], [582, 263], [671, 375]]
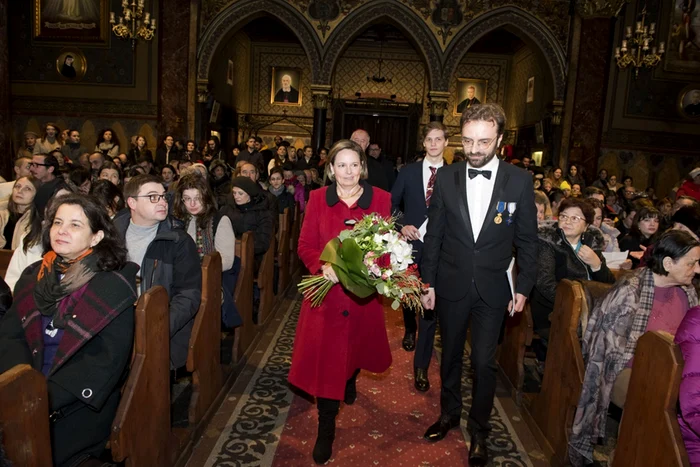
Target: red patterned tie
[[431, 183]]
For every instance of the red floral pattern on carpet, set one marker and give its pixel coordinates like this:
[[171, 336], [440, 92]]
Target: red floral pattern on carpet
[[384, 426]]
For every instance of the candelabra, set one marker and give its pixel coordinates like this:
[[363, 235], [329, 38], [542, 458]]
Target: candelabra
[[637, 50], [134, 23]]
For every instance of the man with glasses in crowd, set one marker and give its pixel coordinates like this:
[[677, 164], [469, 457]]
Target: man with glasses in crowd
[[167, 257], [44, 168]]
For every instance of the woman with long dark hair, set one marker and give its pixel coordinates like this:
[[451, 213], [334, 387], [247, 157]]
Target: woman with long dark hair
[[73, 320], [140, 148], [108, 143], [15, 220]]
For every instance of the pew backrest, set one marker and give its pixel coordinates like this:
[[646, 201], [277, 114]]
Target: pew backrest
[[243, 295], [141, 428], [24, 417], [593, 293]]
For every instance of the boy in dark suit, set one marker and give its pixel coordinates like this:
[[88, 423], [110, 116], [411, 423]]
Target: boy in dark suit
[[480, 209], [412, 190]]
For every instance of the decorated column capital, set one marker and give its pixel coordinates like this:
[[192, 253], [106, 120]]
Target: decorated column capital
[[437, 100], [320, 95], [202, 92], [556, 111]]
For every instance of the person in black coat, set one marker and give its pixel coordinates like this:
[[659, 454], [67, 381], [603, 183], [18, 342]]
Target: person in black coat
[[73, 320], [220, 181], [375, 171], [375, 152], [277, 187], [251, 213], [167, 152], [308, 160], [644, 232]]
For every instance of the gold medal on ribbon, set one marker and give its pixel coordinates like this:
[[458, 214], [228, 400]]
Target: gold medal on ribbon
[[500, 208], [498, 219]]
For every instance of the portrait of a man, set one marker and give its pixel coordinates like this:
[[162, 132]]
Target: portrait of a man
[[690, 103], [285, 86], [469, 92]]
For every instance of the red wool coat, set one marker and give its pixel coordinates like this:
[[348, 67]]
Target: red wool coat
[[345, 332]]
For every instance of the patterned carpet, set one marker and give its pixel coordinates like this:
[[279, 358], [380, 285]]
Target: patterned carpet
[[273, 427]]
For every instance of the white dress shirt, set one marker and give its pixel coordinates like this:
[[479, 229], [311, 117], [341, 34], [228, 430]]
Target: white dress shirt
[[426, 172], [479, 192]]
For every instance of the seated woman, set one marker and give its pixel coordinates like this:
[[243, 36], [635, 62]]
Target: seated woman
[[653, 298], [544, 208], [569, 249], [109, 196], [642, 234], [73, 320], [250, 214], [688, 338], [169, 175], [194, 204], [220, 181], [16, 219], [606, 226], [110, 171]]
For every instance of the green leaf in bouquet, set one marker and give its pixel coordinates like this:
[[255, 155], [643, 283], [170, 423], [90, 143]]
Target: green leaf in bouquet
[[345, 234]]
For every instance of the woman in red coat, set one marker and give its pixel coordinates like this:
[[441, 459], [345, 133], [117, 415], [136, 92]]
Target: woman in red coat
[[345, 334]]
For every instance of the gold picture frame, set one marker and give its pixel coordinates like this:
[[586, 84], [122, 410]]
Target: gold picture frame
[[462, 99], [57, 21], [71, 64], [278, 95], [689, 102]]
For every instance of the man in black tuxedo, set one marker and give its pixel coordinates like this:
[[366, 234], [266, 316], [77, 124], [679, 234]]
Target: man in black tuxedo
[[410, 198], [480, 209]]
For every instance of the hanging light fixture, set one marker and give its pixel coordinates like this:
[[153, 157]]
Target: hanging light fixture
[[637, 49], [378, 78], [134, 23]]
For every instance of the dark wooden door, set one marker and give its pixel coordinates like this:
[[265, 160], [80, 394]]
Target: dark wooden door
[[391, 133]]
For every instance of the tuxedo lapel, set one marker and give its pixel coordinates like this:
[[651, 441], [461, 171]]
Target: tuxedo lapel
[[461, 187], [499, 188]]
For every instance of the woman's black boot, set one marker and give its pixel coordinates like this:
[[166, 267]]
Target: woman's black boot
[[351, 388], [327, 411]]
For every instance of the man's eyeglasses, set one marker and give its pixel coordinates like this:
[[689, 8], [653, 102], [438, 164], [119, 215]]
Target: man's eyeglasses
[[154, 199], [481, 144], [573, 219], [36, 164]]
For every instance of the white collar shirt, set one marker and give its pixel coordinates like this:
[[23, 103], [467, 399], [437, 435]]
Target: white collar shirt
[[426, 172], [479, 192]]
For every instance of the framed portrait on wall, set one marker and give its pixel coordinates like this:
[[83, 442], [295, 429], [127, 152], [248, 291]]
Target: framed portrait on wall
[[285, 86], [530, 90], [689, 102], [71, 64], [214, 117], [470, 91], [229, 73], [71, 20]]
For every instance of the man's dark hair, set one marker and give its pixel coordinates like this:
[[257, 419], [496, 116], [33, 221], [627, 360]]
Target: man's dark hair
[[673, 244], [556, 195], [258, 139], [108, 195], [592, 190], [689, 216], [51, 161], [434, 126], [132, 187], [145, 158], [586, 208], [485, 112]]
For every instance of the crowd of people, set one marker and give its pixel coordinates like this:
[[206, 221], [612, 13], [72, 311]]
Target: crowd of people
[[150, 217]]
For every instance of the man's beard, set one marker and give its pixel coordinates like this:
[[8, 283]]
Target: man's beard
[[480, 159]]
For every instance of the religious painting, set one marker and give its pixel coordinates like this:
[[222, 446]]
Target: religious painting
[[229, 73], [469, 92], [530, 90], [71, 64], [71, 20], [683, 47], [285, 86], [689, 102]]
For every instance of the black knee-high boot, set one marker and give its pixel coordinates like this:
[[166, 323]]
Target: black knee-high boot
[[327, 411], [351, 388]]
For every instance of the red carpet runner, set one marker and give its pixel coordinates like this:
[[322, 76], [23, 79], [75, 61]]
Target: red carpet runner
[[384, 427]]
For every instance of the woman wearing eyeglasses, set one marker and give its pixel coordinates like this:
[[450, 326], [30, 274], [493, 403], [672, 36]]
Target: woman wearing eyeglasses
[[194, 204], [568, 249]]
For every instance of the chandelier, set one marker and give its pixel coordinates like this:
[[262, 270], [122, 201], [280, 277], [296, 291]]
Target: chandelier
[[134, 23], [637, 49]]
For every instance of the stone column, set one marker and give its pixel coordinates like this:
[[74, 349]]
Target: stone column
[[437, 100], [201, 113], [5, 125], [173, 63], [320, 93]]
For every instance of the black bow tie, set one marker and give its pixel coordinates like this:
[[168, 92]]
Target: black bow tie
[[473, 173]]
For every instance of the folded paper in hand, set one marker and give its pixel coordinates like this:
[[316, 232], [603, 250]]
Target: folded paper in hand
[[422, 230], [615, 258], [510, 272]]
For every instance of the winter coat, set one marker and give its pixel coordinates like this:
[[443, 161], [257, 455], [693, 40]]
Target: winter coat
[[634, 241], [556, 261], [689, 188], [255, 217], [222, 190], [171, 260], [345, 332], [92, 357], [688, 338]]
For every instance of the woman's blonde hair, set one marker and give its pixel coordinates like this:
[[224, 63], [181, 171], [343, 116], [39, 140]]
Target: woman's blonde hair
[[541, 199], [340, 146]]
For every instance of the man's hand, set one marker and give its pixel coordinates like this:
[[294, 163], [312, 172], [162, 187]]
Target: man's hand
[[428, 299], [329, 273], [520, 300], [410, 232]]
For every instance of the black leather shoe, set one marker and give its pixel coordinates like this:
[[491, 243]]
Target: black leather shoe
[[409, 341], [478, 452], [439, 429], [421, 376]]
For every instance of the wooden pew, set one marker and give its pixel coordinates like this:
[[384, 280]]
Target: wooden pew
[[554, 407], [243, 296], [511, 359], [294, 240], [283, 251], [24, 417], [5, 257], [204, 358], [265, 282], [649, 432], [141, 428]]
